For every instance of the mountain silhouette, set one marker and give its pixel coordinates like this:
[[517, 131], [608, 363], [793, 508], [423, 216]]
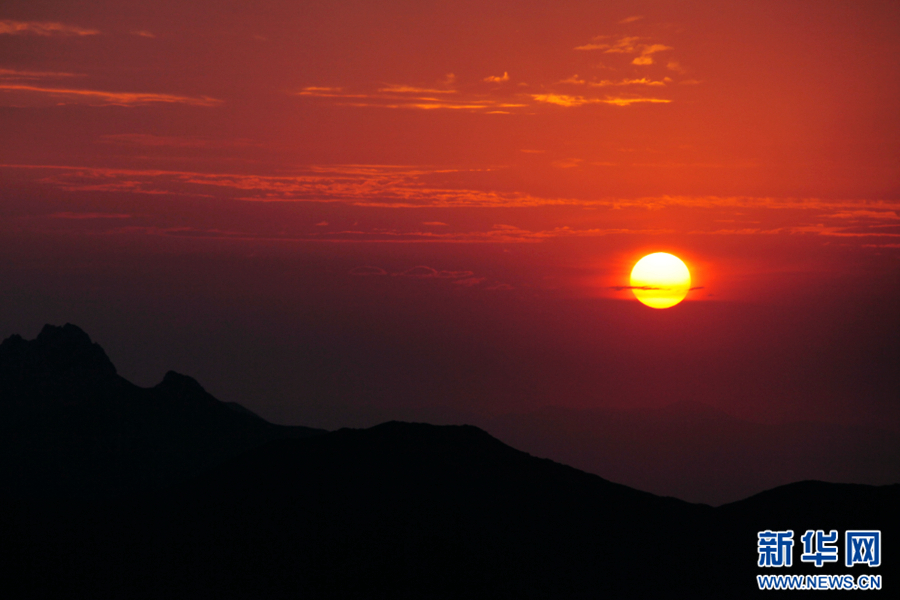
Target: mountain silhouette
[[72, 427], [399, 510], [695, 452]]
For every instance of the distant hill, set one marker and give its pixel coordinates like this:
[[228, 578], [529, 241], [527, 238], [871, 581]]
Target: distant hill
[[70, 426], [694, 452]]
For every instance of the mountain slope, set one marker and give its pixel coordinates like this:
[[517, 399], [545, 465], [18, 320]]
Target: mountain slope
[[114, 491], [407, 510], [71, 426], [697, 453]]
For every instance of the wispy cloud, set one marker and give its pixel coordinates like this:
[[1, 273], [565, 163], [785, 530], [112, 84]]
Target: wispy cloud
[[366, 271], [574, 80], [89, 215], [162, 141], [428, 272], [410, 89], [398, 96], [44, 28], [567, 163], [326, 92], [858, 215], [470, 281], [627, 20], [16, 75], [620, 288], [143, 33], [105, 98], [644, 81], [630, 101], [674, 65], [570, 101], [563, 99], [403, 186], [626, 45], [627, 82], [464, 279], [497, 78]]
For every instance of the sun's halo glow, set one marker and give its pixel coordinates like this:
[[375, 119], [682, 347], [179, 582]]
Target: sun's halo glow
[[660, 280]]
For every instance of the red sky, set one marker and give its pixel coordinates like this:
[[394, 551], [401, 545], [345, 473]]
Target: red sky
[[305, 203]]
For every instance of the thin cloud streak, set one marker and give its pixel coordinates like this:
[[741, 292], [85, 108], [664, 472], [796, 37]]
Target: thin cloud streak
[[412, 98], [13, 74], [43, 28], [111, 98], [569, 101], [160, 141], [404, 186]]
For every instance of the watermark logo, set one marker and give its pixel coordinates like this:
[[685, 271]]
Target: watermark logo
[[775, 548], [819, 547], [862, 548]]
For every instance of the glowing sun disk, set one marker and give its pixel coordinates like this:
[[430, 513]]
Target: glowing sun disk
[[660, 280]]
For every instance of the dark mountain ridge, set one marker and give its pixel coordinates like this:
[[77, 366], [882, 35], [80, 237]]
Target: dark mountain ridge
[[124, 492], [694, 452], [71, 426]]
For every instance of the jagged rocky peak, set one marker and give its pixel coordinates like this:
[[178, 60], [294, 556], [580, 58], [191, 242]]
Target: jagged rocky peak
[[65, 352]]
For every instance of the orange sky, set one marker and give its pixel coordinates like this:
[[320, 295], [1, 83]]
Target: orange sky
[[525, 147]]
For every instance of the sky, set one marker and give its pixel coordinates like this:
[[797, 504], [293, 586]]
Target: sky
[[341, 212]]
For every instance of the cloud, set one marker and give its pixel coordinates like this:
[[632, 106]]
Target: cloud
[[627, 45], [699, 287], [570, 101], [497, 78], [89, 215], [562, 99], [890, 215], [630, 101], [567, 163], [43, 28], [409, 89], [627, 20], [500, 287], [13, 74], [412, 97], [406, 186], [322, 224], [592, 46], [625, 82], [164, 141], [574, 80], [435, 224], [428, 272], [103, 98], [646, 51], [469, 281], [367, 270], [620, 288], [142, 33]]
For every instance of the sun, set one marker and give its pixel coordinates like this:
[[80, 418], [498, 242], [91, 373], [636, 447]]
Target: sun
[[660, 280]]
